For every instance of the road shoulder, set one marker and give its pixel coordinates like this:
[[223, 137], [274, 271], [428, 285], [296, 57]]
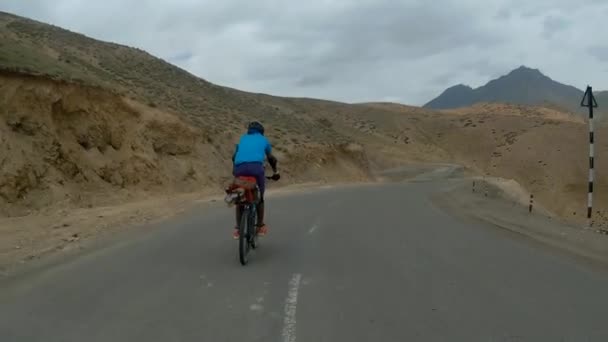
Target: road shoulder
[[491, 205]]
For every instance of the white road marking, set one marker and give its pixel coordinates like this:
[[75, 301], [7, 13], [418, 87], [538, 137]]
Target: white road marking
[[313, 228], [205, 282], [289, 322], [256, 307]]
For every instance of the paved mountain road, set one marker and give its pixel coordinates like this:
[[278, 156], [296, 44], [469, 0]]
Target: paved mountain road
[[360, 263]]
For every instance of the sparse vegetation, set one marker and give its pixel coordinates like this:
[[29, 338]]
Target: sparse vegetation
[[130, 120]]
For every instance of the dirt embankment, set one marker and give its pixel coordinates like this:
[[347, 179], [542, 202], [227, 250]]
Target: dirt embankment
[[81, 151], [69, 145], [79, 161], [503, 204], [545, 151]]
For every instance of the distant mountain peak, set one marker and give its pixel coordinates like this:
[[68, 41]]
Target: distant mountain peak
[[460, 87], [524, 71], [523, 85], [524, 68]]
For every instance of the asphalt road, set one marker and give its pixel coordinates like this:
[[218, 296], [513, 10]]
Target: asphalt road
[[365, 263]]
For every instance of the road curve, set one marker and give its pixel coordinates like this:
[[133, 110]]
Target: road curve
[[361, 263]]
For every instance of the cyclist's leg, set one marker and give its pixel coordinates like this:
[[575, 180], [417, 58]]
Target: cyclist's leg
[[261, 224], [261, 180], [238, 211], [260, 212]]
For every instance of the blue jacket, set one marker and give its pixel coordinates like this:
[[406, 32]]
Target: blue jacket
[[252, 148]]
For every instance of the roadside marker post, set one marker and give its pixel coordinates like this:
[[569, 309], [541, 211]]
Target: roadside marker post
[[531, 203], [589, 102]]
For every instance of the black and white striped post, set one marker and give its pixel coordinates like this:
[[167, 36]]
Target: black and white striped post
[[589, 101], [531, 205]]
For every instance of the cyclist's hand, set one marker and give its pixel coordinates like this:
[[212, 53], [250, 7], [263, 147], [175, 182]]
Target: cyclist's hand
[[276, 176]]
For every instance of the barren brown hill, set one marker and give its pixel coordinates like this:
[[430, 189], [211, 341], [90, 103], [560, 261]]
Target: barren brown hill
[[85, 123], [80, 117]]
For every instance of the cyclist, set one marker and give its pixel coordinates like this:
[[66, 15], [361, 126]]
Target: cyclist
[[248, 160]]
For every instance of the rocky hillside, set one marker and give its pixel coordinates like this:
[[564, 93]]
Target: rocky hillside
[[86, 123], [80, 116]]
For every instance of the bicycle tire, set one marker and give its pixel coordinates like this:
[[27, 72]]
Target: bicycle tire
[[244, 236], [252, 223]]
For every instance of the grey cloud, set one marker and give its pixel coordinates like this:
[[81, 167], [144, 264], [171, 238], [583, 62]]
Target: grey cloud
[[553, 25], [349, 50], [181, 57], [362, 36], [311, 81], [486, 67], [444, 80], [503, 14], [537, 9], [366, 31], [599, 52]]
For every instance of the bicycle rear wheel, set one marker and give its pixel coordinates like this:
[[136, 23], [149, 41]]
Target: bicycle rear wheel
[[244, 231], [253, 228]]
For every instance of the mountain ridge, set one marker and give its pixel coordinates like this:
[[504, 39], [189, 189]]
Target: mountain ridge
[[523, 85]]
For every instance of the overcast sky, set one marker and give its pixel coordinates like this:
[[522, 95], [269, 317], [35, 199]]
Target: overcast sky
[[350, 50]]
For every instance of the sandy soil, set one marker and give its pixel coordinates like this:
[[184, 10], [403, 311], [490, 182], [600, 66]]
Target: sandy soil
[[34, 236]]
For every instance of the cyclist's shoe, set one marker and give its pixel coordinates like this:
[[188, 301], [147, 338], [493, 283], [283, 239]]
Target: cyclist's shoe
[[235, 234], [262, 230]]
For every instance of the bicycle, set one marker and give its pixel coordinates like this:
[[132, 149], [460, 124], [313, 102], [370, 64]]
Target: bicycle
[[244, 192]]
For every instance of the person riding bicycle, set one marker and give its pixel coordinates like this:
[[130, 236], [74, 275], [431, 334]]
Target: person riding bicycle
[[248, 161]]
